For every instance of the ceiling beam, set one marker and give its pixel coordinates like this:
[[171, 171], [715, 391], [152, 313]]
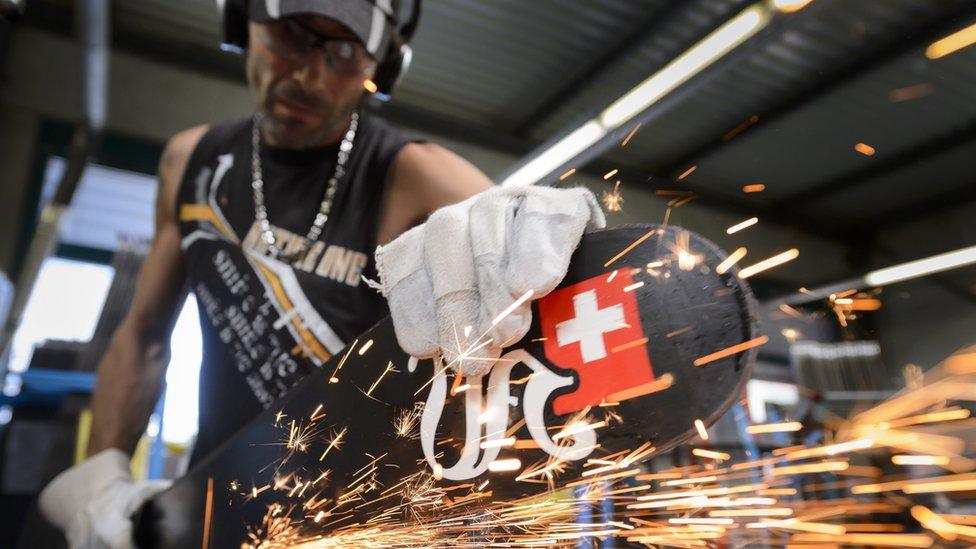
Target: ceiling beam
[[559, 96]]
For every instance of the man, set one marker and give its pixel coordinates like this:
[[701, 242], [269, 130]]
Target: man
[[272, 221]]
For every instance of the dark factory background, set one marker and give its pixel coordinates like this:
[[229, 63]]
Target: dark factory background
[[847, 127]]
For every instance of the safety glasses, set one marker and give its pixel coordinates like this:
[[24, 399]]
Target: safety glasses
[[294, 39]]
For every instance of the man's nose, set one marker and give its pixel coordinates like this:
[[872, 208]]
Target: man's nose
[[312, 73]]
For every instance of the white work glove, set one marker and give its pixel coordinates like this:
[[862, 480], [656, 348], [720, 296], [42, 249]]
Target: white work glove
[[471, 261], [93, 502]]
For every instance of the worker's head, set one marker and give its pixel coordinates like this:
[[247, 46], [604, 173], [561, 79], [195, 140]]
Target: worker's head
[[308, 61], [308, 74]]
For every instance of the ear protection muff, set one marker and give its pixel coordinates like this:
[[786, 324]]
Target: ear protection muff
[[398, 57], [389, 72], [234, 26]]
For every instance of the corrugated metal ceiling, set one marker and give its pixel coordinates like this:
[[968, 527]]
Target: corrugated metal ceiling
[[819, 80]]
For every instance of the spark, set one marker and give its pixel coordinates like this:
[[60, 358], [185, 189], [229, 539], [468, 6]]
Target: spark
[[567, 173], [502, 465], [365, 347], [335, 373], [733, 258], [631, 246], [498, 443], [370, 86], [629, 345], [769, 263], [754, 188], [389, 368], [613, 200], [630, 135], [952, 43], [784, 427], [929, 519], [865, 149], [742, 225], [791, 334], [919, 460], [687, 172], [700, 427], [740, 128], [336, 443], [908, 93], [711, 454], [508, 310], [729, 351], [634, 286], [658, 384], [790, 6], [610, 174], [407, 420], [208, 513], [577, 428]]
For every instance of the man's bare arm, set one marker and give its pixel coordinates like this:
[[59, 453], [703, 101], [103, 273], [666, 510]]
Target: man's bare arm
[[130, 375], [426, 177]]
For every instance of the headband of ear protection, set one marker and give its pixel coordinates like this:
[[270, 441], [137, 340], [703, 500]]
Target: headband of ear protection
[[390, 70]]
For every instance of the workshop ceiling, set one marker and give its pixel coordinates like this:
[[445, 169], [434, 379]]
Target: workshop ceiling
[[510, 74]]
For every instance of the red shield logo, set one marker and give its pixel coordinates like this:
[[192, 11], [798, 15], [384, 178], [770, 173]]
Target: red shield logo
[[594, 327]]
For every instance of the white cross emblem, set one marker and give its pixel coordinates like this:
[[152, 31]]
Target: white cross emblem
[[589, 325]]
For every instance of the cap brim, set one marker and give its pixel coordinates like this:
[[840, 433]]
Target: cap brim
[[367, 20]]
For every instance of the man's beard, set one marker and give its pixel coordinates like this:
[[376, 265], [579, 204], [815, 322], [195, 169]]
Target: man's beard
[[292, 132]]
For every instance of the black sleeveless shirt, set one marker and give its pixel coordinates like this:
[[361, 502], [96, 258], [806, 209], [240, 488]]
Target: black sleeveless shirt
[[266, 323]]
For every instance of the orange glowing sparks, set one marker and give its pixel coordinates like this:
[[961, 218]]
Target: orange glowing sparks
[[754, 188], [687, 172], [610, 174], [503, 465], [700, 427], [629, 345], [634, 286], [908, 93], [613, 200], [370, 86], [658, 384], [790, 6], [729, 351], [769, 263], [929, 519], [742, 225], [630, 135], [783, 427], [919, 460], [822, 467], [567, 174], [631, 246], [952, 43], [711, 454], [728, 262], [740, 128], [515, 305], [365, 347], [388, 369], [865, 149]]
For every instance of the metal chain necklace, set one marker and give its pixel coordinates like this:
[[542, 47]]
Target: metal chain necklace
[[257, 185]]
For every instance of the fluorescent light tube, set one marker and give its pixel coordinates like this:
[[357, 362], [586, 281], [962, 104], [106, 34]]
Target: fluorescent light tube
[[563, 151], [922, 267], [688, 64]]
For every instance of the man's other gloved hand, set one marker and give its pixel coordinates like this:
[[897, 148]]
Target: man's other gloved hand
[[93, 501], [448, 279]]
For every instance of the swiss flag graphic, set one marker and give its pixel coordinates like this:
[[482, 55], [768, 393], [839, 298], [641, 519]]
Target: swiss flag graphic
[[594, 327]]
